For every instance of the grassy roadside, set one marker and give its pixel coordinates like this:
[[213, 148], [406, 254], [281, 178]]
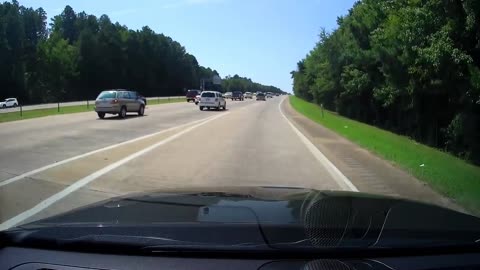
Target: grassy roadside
[[15, 116], [445, 173]]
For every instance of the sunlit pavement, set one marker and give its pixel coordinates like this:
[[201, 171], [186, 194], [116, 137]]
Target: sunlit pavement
[[177, 145]]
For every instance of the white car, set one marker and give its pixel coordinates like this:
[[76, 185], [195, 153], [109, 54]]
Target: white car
[[9, 102], [212, 99], [248, 95], [227, 95]]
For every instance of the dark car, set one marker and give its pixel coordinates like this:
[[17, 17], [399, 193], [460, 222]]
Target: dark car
[[237, 95], [119, 101], [192, 94], [261, 96]]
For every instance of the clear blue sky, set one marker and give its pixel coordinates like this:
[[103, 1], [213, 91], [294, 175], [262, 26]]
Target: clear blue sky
[[259, 39]]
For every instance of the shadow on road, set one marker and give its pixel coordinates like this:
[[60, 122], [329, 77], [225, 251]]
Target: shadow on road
[[115, 117], [214, 110]]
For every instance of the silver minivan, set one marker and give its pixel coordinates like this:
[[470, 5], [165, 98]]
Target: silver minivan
[[119, 102]]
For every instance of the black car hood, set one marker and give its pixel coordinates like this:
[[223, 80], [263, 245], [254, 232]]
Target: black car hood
[[276, 217]]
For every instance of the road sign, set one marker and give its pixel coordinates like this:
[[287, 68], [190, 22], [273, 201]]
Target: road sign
[[216, 79]]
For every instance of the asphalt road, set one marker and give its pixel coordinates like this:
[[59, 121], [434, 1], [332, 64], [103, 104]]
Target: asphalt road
[[54, 164]]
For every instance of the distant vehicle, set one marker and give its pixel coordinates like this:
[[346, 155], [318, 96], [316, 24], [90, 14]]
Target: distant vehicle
[[191, 94], [227, 95], [197, 98], [237, 95], [9, 102], [212, 99], [261, 96], [119, 102], [248, 95], [269, 95], [277, 94]]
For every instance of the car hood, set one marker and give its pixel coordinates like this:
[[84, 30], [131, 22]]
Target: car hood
[[273, 217]]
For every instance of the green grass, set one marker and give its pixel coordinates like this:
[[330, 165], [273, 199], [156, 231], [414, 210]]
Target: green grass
[[163, 101], [15, 116], [445, 173]]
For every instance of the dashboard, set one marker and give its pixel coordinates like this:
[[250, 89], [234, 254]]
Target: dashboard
[[27, 259]]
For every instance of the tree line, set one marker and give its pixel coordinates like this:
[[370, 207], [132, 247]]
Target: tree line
[[77, 55], [237, 83], [409, 66]]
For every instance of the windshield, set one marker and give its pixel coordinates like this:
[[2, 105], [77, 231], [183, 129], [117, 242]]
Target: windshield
[[244, 122], [208, 94], [107, 94]]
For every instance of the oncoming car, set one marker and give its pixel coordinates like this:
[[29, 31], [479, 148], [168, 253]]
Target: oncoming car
[[119, 102], [212, 99]]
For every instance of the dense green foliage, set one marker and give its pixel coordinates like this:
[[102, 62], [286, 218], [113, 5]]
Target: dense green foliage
[[237, 83], [410, 66], [79, 55]]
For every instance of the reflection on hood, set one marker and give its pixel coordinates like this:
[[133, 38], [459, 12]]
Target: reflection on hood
[[271, 216]]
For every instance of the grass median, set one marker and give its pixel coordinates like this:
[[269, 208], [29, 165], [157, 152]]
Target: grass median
[[15, 116], [445, 173]]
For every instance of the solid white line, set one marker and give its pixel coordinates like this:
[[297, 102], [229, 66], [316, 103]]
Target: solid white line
[[336, 174], [84, 181], [24, 175]]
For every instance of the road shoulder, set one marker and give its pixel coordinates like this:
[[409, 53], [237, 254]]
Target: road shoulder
[[366, 171]]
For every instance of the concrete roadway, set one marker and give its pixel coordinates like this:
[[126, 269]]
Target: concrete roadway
[[47, 165]]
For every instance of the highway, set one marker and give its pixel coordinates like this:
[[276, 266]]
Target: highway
[[54, 164], [62, 104]]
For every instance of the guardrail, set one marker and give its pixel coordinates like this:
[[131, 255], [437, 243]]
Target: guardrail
[[59, 105]]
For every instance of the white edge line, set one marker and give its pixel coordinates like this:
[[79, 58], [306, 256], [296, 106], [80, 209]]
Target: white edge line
[[86, 180], [24, 175], [336, 174]]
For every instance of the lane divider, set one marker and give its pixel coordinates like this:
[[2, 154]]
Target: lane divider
[[86, 180], [27, 174], [334, 172]]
